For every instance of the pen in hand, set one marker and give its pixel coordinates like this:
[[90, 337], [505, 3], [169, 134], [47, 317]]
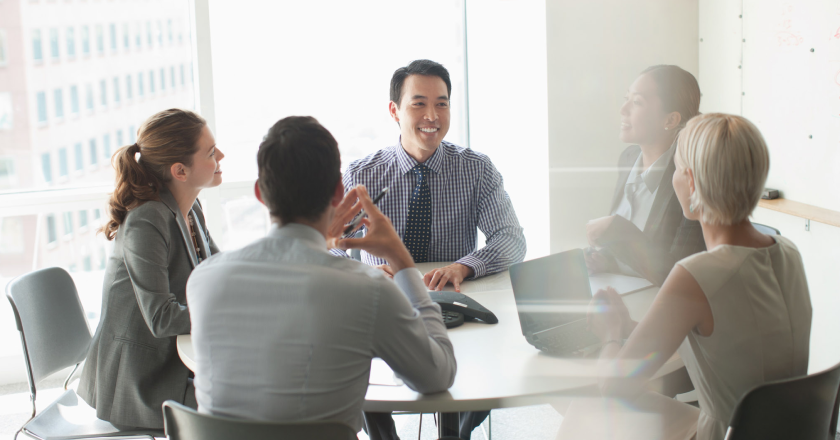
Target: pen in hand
[[358, 219]]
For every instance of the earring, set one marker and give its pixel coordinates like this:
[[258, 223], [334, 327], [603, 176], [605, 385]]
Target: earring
[[691, 207], [666, 128]]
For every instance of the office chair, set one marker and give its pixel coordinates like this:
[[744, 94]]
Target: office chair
[[803, 408], [764, 229], [55, 335], [184, 423]]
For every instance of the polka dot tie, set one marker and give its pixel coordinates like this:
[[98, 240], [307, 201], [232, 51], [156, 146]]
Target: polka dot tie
[[418, 224]]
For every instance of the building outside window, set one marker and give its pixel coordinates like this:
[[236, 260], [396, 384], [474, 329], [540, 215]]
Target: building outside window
[[83, 219], [89, 98], [120, 139], [41, 103], [169, 30], [80, 159], [52, 236], [68, 223], [182, 75], [160, 33], [54, 43], [162, 79], [46, 167], [37, 48], [85, 40], [116, 90], [138, 38], [71, 42], [140, 84], [74, 100], [172, 76], [128, 91], [94, 158], [8, 175], [151, 81], [132, 135], [63, 167], [58, 97], [149, 33], [113, 29], [100, 39], [126, 37], [103, 93], [6, 112]]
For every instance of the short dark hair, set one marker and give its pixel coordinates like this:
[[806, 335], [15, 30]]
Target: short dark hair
[[299, 166], [418, 67], [678, 90]]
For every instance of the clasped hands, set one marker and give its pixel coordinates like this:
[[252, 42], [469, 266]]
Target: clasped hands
[[381, 240]]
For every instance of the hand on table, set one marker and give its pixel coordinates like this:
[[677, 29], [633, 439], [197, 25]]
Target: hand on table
[[381, 240], [598, 262], [596, 230], [608, 317], [455, 273], [387, 269]]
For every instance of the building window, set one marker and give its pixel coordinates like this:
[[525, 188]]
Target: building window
[[52, 237], [41, 103], [63, 168], [160, 33], [151, 81], [172, 76], [4, 58], [6, 111], [83, 219], [85, 40], [74, 100], [68, 223], [37, 54], [132, 135], [128, 92], [106, 145], [8, 176], [182, 75], [89, 98], [103, 93], [140, 84], [162, 79], [46, 167], [149, 33], [54, 43], [113, 29], [58, 96], [12, 236], [120, 138], [126, 37], [138, 38], [94, 158], [100, 39], [169, 30], [96, 214], [116, 90], [87, 265], [71, 42], [80, 159]]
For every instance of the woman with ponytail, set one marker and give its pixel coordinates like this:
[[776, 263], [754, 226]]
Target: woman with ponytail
[[159, 234], [646, 233]]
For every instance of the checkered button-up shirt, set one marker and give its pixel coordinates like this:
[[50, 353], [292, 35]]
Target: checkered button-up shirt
[[467, 194]]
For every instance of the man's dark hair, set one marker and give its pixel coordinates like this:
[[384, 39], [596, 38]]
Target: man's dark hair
[[299, 167], [418, 67]]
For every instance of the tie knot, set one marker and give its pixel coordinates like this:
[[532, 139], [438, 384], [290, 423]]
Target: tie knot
[[421, 170]]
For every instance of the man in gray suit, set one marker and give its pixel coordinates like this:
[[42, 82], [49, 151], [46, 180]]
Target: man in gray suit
[[285, 331]]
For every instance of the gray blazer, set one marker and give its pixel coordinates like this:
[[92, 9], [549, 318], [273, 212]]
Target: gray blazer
[[133, 364], [670, 237]]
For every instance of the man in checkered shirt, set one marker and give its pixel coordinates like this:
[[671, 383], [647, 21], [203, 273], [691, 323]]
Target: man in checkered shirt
[[467, 193]]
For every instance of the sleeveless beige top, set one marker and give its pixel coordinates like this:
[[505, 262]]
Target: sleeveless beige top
[[762, 325]]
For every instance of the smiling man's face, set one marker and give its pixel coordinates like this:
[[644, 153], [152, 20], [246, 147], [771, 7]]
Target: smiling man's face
[[423, 115]]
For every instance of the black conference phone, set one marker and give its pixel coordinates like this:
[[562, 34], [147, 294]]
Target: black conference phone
[[457, 308]]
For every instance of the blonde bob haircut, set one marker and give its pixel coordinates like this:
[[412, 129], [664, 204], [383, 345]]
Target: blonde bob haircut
[[730, 161]]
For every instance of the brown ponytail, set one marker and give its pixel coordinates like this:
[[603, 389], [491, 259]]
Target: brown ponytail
[[678, 90], [167, 138]]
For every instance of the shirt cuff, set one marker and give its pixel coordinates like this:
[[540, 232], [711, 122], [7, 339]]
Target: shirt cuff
[[410, 281], [478, 267]]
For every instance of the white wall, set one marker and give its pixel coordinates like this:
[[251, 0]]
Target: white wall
[[596, 49], [507, 93]]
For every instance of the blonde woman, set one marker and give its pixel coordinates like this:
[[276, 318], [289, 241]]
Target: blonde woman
[[159, 236], [742, 307]]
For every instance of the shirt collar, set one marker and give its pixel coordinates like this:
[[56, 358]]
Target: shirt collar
[[653, 175], [297, 231], [406, 162]]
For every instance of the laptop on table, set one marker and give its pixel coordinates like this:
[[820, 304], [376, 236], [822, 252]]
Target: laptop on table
[[552, 295]]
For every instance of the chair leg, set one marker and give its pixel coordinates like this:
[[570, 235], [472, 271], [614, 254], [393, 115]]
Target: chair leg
[[420, 426], [70, 376]]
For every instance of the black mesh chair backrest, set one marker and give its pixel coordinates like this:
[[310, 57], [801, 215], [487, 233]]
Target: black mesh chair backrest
[[764, 229], [802, 408], [51, 320], [184, 423]]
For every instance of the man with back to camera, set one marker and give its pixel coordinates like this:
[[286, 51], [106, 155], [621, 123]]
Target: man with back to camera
[[439, 195], [285, 331]]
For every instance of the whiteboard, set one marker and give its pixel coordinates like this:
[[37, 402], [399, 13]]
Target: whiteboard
[[789, 82]]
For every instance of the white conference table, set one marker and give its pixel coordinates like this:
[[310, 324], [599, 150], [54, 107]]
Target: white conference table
[[497, 368]]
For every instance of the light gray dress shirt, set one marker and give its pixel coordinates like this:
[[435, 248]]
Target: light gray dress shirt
[[285, 331], [640, 189]]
